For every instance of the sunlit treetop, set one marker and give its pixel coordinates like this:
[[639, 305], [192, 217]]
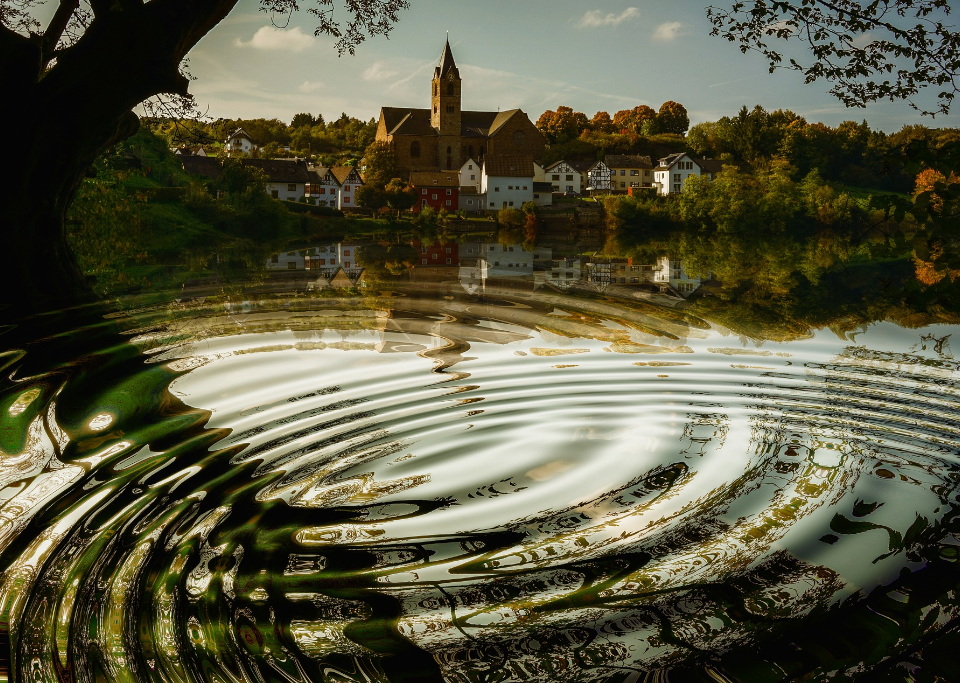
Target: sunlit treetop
[[870, 51]]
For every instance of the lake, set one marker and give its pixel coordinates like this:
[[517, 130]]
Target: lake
[[442, 487]]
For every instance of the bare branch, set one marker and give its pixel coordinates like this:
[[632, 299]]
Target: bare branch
[[366, 18], [58, 24]]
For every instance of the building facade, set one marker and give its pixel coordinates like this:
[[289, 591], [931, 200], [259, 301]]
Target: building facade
[[445, 136]]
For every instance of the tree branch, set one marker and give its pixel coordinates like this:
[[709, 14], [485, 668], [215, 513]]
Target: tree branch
[[56, 27]]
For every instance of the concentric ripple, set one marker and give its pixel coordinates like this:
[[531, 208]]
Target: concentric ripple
[[532, 489]]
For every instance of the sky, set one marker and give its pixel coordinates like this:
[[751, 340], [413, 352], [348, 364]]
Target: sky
[[529, 54]]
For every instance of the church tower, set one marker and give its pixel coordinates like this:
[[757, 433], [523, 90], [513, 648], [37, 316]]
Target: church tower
[[445, 114]]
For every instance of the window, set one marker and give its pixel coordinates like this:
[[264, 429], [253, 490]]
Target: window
[[449, 149], [449, 250], [634, 183], [449, 261], [623, 172], [275, 258], [346, 264], [449, 192], [423, 261], [496, 189], [470, 166], [449, 202], [569, 177], [623, 184], [676, 177], [433, 196], [449, 88], [491, 248], [291, 265], [555, 177], [473, 177], [346, 200], [676, 187], [524, 187], [346, 188], [423, 250], [511, 204], [424, 191], [333, 262], [274, 194], [346, 252], [510, 248], [291, 187], [323, 261], [623, 280], [469, 202], [323, 190], [634, 280], [415, 148], [646, 174], [632, 172]]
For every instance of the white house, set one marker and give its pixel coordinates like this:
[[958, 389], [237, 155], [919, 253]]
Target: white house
[[507, 181], [672, 275], [563, 177], [599, 178], [542, 193], [348, 257], [323, 188], [287, 179], [323, 258], [672, 172], [505, 261], [238, 142], [470, 175], [349, 179]]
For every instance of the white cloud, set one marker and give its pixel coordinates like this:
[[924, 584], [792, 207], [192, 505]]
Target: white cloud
[[273, 38], [310, 86], [378, 71], [595, 17], [669, 30]]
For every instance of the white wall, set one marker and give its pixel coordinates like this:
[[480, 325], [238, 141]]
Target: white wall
[[503, 192], [283, 191], [668, 181], [563, 177]]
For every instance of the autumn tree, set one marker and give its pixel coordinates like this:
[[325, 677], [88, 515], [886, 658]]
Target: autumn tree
[[400, 196], [632, 120], [562, 125], [673, 118], [381, 165], [601, 122]]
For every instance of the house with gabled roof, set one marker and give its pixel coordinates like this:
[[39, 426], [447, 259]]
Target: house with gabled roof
[[673, 170], [239, 143], [437, 189], [599, 177], [287, 179], [323, 188], [444, 136], [350, 180], [506, 181], [563, 177], [629, 171]]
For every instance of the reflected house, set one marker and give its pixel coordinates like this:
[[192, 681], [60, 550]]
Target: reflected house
[[563, 273], [671, 277], [436, 189], [437, 262], [630, 273], [502, 265], [322, 257]]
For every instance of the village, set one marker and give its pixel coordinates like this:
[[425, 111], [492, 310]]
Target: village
[[466, 163]]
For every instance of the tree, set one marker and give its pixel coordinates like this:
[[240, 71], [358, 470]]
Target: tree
[[855, 45], [370, 196], [381, 164], [632, 120], [99, 65], [601, 122], [400, 196], [300, 120], [562, 125], [673, 118]]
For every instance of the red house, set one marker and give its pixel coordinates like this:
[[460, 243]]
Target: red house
[[437, 189], [437, 254]]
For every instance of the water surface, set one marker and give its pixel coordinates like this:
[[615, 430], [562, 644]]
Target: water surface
[[524, 488]]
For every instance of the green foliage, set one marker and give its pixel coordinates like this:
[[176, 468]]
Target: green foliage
[[370, 196], [381, 164], [400, 196]]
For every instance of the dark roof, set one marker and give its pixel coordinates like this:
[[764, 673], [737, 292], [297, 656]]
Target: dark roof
[[542, 187], [435, 178], [509, 166], [280, 171], [628, 161], [671, 159], [709, 165], [582, 166], [341, 173], [239, 133], [446, 63], [209, 167], [408, 121]]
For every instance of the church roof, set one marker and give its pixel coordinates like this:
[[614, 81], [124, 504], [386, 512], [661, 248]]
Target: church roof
[[446, 63], [407, 121]]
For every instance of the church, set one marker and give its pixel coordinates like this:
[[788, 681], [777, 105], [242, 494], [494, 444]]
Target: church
[[444, 136]]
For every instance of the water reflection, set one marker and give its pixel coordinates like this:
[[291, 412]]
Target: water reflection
[[525, 488]]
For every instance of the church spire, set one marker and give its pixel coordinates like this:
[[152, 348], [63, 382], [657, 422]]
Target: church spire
[[446, 63]]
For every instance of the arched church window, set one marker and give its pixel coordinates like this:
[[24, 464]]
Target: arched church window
[[450, 88], [415, 148], [470, 151], [436, 89], [449, 149], [519, 137], [483, 150]]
